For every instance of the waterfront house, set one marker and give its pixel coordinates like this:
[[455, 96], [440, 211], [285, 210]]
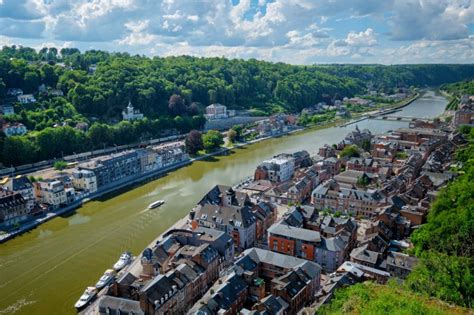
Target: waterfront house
[[278, 169], [225, 196], [327, 151], [112, 169], [168, 154], [22, 185], [51, 192], [84, 180], [13, 208], [176, 272], [217, 111]]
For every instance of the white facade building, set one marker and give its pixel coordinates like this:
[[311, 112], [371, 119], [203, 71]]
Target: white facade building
[[26, 98], [216, 111], [279, 169], [130, 113], [51, 192], [84, 180]]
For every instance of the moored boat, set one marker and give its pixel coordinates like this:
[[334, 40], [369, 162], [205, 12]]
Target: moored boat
[[106, 279], [86, 298], [124, 260]]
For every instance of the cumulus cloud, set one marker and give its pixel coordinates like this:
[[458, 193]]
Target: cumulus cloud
[[431, 19], [297, 31]]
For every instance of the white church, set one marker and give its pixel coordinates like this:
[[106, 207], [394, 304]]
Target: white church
[[130, 113]]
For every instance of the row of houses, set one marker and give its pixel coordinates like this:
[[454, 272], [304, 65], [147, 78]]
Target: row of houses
[[60, 189]]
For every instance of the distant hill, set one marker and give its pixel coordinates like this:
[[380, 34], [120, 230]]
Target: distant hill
[[100, 84]]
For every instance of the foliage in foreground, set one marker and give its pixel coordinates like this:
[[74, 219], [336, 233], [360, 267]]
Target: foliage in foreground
[[371, 298]]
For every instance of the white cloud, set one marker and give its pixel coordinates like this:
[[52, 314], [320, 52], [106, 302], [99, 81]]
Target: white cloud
[[366, 38], [296, 31]]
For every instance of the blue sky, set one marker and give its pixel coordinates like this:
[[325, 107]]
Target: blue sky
[[292, 31]]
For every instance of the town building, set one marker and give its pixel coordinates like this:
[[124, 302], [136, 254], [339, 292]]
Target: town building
[[13, 208], [400, 265], [266, 214], [263, 282], [84, 180], [51, 192], [113, 168], [323, 239], [26, 98], [130, 113], [7, 109], [14, 129], [171, 276], [277, 169], [14, 92], [169, 154], [239, 222], [464, 116], [218, 111], [22, 185], [332, 196]]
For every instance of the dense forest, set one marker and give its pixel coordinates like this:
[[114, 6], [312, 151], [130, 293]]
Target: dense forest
[[172, 93]]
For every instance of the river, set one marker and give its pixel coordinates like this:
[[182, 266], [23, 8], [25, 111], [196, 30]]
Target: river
[[45, 271]]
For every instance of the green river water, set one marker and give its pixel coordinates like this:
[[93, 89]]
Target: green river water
[[45, 270]]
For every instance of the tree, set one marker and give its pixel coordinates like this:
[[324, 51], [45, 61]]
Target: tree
[[60, 165], [193, 109], [18, 150], [350, 151], [363, 181], [212, 140], [365, 145], [193, 142], [100, 135], [239, 130], [176, 105], [232, 135]]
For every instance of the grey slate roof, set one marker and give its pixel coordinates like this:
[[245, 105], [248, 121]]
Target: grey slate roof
[[294, 232], [363, 254]]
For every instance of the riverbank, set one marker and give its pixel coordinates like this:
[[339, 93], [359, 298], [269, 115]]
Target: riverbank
[[27, 226], [138, 179], [383, 111]]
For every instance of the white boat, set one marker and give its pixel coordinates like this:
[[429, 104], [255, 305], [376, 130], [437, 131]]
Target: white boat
[[156, 204], [124, 260], [85, 298], [106, 279]]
